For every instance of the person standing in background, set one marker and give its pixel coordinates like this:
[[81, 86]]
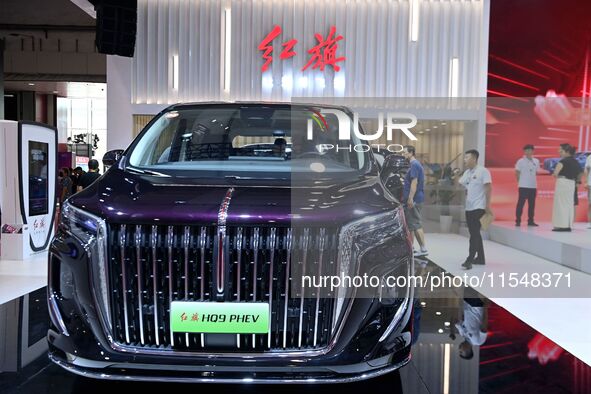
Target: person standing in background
[[478, 183], [588, 187], [66, 185], [89, 177], [525, 171], [77, 173], [413, 197], [567, 173]]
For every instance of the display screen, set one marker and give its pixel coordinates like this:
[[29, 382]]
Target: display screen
[[38, 180]]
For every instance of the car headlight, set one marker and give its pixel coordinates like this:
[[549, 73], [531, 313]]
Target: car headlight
[[91, 232], [81, 225], [367, 244]]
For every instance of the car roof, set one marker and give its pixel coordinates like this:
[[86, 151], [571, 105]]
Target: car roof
[[252, 104]]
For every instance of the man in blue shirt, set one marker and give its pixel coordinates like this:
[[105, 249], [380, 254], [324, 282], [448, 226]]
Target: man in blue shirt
[[413, 198]]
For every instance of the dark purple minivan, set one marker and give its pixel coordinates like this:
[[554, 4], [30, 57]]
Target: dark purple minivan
[[211, 249]]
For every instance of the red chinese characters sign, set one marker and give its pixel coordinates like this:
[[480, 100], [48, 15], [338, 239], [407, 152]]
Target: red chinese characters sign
[[322, 55]]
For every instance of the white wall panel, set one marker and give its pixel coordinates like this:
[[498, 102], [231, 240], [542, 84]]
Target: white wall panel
[[381, 59]]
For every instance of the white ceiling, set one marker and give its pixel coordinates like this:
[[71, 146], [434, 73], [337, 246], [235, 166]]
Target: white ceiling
[[63, 89]]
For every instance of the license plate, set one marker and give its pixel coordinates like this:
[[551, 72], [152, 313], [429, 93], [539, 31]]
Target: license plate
[[219, 317]]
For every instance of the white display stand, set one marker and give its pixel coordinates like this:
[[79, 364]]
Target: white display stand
[[28, 176]]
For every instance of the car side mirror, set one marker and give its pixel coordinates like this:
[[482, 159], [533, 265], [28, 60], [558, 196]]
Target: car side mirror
[[393, 172], [112, 157]]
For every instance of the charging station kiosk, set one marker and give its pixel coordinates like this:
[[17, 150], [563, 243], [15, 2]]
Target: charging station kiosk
[[28, 189]]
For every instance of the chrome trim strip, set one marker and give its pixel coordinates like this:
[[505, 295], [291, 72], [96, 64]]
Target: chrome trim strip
[[170, 240], [238, 273], [238, 262], [202, 241], [322, 242], [153, 245], [138, 251], [255, 246], [306, 240], [104, 276], [220, 261], [287, 282], [122, 235], [271, 245], [186, 240], [98, 374], [250, 186], [402, 309], [221, 264], [57, 316]]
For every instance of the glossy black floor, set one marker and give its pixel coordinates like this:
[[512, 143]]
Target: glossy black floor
[[513, 358]]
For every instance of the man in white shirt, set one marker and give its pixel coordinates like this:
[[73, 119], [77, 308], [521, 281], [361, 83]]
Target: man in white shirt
[[587, 176], [526, 169], [478, 183], [472, 325]]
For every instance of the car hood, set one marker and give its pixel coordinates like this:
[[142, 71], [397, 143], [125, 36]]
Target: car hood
[[128, 198]]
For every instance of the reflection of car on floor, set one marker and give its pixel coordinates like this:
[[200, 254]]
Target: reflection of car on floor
[[179, 262], [550, 163]]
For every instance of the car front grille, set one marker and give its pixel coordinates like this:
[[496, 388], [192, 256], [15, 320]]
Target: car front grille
[[150, 266]]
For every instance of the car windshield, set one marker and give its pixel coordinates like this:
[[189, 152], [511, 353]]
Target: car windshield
[[247, 140]]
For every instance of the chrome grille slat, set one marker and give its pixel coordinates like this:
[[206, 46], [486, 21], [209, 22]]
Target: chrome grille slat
[[305, 244], [322, 243], [138, 256], [169, 241], [153, 245], [286, 286], [122, 233], [271, 246], [181, 260], [255, 244], [186, 240], [202, 242], [238, 272]]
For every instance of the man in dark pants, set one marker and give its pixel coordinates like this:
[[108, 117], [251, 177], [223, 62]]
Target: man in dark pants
[[477, 181], [526, 169]]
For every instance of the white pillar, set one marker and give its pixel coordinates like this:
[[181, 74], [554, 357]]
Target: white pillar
[[119, 107]]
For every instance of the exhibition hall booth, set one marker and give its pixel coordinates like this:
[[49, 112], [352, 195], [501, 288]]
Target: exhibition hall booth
[[285, 194], [28, 197]]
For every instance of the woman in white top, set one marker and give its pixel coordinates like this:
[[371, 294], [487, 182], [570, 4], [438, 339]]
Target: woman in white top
[[567, 172], [588, 187]]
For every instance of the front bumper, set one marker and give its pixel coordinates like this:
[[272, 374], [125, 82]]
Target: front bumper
[[196, 374]]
